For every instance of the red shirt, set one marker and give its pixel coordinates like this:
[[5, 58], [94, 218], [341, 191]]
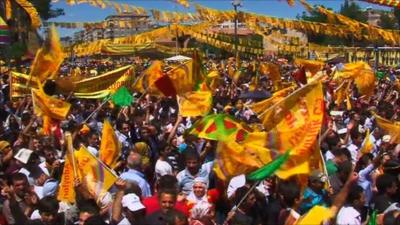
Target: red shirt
[[152, 205]]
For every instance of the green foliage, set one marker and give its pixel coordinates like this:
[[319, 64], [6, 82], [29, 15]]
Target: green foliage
[[353, 11], [387, 21], [349, 9], [396, 13], [45, 10], [14, 51], [314, 16]]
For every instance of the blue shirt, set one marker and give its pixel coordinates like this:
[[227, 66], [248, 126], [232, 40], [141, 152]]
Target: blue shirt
[[135, 176], [186, 179], [315, 199], [365, 181]]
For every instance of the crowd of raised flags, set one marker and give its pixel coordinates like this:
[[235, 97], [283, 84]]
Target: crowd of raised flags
[[155, 142]]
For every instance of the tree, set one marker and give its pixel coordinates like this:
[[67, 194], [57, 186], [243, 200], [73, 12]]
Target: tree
[[387, 21], [316, 16], [313, 16], [353, 11], [45, 10], [396, 13]]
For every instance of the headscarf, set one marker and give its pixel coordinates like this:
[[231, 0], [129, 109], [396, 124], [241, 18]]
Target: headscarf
[[192, 197], [144, 150], [200, 210]]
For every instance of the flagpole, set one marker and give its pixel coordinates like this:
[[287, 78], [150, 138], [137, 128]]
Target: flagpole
[[97, 109], [70, 150], [236, 207]]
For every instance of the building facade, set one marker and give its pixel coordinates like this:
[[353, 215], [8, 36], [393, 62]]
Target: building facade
[[114, 26]]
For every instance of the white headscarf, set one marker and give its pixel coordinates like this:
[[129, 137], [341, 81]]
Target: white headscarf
[[200, 210], [192, 197]]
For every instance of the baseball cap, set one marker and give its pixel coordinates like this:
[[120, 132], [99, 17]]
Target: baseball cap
[[342, 131], [3, 145], [132, 202], [386, 138], [317, 175]]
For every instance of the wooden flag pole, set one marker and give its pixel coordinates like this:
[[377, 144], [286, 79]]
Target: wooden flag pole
[[236, 207]]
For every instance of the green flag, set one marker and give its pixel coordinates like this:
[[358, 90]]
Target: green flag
[[122, 97], [269, 169], [380, 75], [372, 220]]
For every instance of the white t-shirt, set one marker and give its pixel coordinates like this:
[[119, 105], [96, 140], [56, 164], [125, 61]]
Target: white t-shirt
[[92, 150], [163, 168], [39, 191], [348, 216], [235, 183], [124, 221], [354, 152]]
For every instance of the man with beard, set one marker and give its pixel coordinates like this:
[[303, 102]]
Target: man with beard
[[51, 162], [20, 195]]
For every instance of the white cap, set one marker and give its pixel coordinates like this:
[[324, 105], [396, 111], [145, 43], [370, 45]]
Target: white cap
[[23, 155], [342, 131], [132, 202], [386, 138], [336, 113]]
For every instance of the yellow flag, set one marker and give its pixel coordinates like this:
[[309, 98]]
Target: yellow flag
[[301, 168], [236, 76], [295, 108], [49, 106], [261, 106], [367, 146], [8, 9], [290, 2], [182, 77], [97, 176], [295, 123], [66, 191], [184, 3], [233, 158], [138, 85], [48, 58], [348, 103], [340, 93], [392, 128], [316, 216], [313, 66], [197, 103], [362, 74], [110, 147], [272, 70]]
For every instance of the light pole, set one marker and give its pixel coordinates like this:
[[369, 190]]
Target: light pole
[[236, 4]]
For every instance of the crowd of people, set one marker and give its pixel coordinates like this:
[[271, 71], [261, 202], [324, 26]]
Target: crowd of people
[[166, 176]]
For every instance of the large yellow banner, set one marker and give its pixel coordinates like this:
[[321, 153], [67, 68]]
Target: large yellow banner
[[94, 87], [298, 125], [66, 191]]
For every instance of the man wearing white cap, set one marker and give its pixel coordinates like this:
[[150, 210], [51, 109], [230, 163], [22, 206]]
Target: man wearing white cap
[[127, 208]]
